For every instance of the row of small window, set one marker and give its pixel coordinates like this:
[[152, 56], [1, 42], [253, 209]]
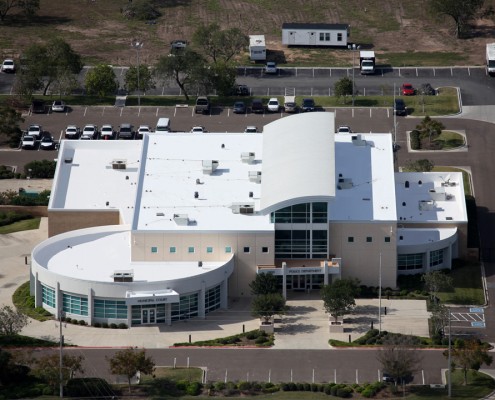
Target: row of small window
[[407, 262], [369, 239], [209, 249], [325, 37], [304, 213]]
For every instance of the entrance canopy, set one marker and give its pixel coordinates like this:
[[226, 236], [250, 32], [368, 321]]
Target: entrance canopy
[[151, 297]]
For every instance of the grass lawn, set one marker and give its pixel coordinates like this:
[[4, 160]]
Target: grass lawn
[[24, 225], [176, 374], [465, 176], [467, 286], [23, 300], [449, 140]]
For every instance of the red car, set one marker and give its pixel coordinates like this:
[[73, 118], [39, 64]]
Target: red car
[[408, 90]]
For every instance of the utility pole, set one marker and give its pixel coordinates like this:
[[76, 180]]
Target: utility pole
[[450, 358], [380, 296], [61, 362], [137, 45]]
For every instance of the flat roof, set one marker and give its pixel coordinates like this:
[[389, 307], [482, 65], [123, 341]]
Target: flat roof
[[430, 197], [364, 169], [421, 236], [303, 25], [257, 40]]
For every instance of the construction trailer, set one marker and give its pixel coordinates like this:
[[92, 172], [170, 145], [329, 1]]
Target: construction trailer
[[490, 58], [257, 47], [301, 34]]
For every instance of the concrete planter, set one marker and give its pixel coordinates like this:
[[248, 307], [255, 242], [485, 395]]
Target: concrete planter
[[336, 326], [267, 326]]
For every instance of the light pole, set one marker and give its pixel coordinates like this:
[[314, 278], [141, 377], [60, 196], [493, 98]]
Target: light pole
[[137, 45], [354, 47]]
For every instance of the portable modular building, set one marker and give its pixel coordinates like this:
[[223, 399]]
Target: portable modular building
[[257, 47], [297, 34]]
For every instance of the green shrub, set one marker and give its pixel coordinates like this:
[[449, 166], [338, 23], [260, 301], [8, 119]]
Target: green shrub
[[344, 392], [181, 384], [68, 319], [86, 387], [260, 340], [104, 325], [368, 392], [74, 321], [97, 325], [219, 386], [82, 322], [113, 326], [252, 335], [244, 386], [122, 326], [193, 388], [314, 387], [415, 141]]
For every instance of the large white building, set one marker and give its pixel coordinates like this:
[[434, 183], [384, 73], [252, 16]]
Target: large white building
[[171, 227]]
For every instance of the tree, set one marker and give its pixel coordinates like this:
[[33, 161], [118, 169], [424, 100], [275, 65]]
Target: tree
[[47, 368], [338, 297], [43, 169], [439, 320], [101, 81], [9, 123], [422, 165], [267, 305], [343, 88], [145, 79], [469, 354], [429, 128], [27, 7], [185, 69], [461, 11], [141, 9], [219, 45], [11, 371], [399, 358], [219, 76], [11, 321], [129, 362], [43, 64], [436, 281], [264, 284]]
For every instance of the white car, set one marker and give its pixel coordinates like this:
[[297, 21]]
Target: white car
[[89, 132], [35, 131], [28, 142], [142, 130], [72, 132], [198, 129], [47, 143], [58, 106], [107, 132], [8, 66], [271, 68], [344, 129], [251, 129], [273, 105]]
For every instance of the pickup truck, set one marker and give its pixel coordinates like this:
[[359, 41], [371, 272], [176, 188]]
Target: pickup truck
[[202, 105]]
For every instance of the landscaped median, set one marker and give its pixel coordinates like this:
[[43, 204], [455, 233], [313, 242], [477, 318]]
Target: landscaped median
[[256, 338]]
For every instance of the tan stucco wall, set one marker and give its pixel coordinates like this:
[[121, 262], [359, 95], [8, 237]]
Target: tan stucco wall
[[65, 221], [361, 259]]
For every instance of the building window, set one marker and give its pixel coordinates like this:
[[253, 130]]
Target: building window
[[387, 239], [301, 214], [48, 296], [190, 249], [173, 249], [264, 249], [350, 239], [154, 249], [212, 299], [369, 239], [410, 261], [110, 309], [339, 37], [209, 249], [186, 308], [436, 257], [292, 244], [247, 249], [75, 304], [319, 243], [319, 213], [322, 36], [406, 184], [228, 249]]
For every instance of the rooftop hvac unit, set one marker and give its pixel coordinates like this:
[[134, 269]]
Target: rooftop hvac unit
[[119, 164], [255, 176], [426, 205], [345, 183], [357, 140], [248, 157], [209, 166], [123, 275], [438, 194], [68, 160], [181, 219], [243, 208]]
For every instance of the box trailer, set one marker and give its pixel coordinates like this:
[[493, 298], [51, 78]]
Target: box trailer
[[297, 34], [367, 62], [490, 58], [257, 47]]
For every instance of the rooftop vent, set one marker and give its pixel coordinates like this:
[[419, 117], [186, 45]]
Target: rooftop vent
[[248, 157], [243, 208], [209, 166], [437, 194], [68, 160], [181, 219], [123, 275], [119, 164], [196, 195], [357, 140], [344, 183], [426, 205], [448, 183], [255, 176], [160, 214]]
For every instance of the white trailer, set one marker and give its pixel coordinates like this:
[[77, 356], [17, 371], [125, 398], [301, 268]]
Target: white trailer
[[490, 58], [367, 62], [297, 34], [257, 47]]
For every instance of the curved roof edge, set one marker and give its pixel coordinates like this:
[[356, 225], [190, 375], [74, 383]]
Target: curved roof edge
[[294, 201]]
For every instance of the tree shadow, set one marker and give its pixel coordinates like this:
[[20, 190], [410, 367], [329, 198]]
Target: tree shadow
[[20, 21]]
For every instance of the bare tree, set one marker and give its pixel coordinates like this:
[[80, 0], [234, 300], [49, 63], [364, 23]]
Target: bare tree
[[11, 321], [435, 281]]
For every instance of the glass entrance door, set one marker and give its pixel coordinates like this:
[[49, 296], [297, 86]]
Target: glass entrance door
[[299, 282], [148, 315]]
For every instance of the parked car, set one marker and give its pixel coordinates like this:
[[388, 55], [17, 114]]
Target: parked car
[[240, 90], [427, 90], [202, 105], [28, 142], [72, 132], [8, 65], [35, 131], [290, 107], [400, 107], [273, 105], [107, 132], [178, 44], [47, 143], [89, 132], [408, 90], [308, 105], [257, 106], [126, 131], [251, 129], [271, 67], [142, 130], [344, 129], [37, 107], [198, 129], [58, 106], [239, 107]]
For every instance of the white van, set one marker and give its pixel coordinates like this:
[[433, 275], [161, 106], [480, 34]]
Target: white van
[[163, 125]]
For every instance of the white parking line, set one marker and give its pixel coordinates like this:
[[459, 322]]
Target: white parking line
[[85, 109], [121, 111], [103, 111], [156, 115]]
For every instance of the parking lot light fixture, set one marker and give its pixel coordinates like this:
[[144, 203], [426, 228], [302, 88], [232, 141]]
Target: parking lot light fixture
[[137, 45], [354, 47]]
